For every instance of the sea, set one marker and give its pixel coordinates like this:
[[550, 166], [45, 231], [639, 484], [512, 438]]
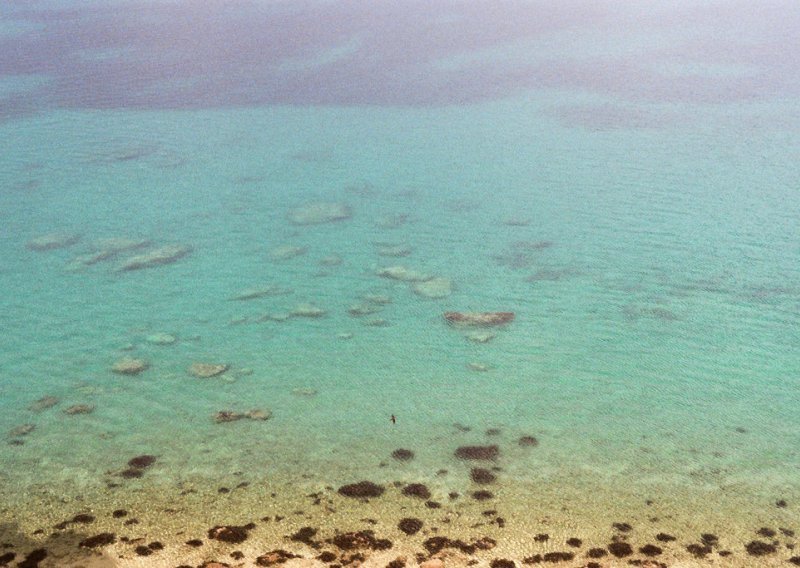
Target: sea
[[283, 281]]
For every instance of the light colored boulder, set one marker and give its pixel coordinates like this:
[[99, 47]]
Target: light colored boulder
[[130, 366], [317, 213], [207, 370], [435, 288], [161, 339], [308, 311], [403, 274], [158, 257], [53, 241], [286, 252]]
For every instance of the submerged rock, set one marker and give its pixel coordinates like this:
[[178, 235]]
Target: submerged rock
[[107, 249], [305, 391], [331, 260], [286, 252], [394, 251], [224, 416], [53, 241], [480, 336], [253, 293], [258, 414], [403, 274], [130, 366], [44, 403], [435, 288], [21, 430], [158, 257], [79, 409], [308, 311], [161, 339], [227, 416], [364, 309], [207, 370], [478, 318], [317, 213], [478, 367]]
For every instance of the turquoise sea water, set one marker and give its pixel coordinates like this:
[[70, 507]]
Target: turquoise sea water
[[649, 249]]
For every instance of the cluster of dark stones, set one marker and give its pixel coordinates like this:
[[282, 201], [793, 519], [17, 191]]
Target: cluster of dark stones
[[148, 549], [273, 557], [551, 557], [81, 518], [436, 544], [360, 540], [231, 533], [305, 535], [102, 539], [137, 466]]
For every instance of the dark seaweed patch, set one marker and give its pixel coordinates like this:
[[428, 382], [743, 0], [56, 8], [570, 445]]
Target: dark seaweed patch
[[410, 525], [396, 563], [33, 558], [528, 441], [195, 542], [102, 539], [477, 452], [698, 550], [502, 563], [482, 475], [709, 539], [416, 490], [142, 550], [229, 533], [361, 489], [795, 560], [766, 532], [596, 552], [620, 549], [273, 557], [7, 558], [360, 540], [650, 550], [401, 454], [759, 548], [131, 473], [482, 495], [119, 513], [664, 537], [304, 535], [574, 542], [541, 537], [141, 462], [623, 527]]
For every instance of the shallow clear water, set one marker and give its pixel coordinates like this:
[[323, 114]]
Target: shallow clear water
[[641, 221]]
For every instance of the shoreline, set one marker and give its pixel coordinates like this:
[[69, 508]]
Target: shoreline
[[560, 524]]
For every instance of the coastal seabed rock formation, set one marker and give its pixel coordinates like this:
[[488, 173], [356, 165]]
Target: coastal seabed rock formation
[[53, 241], [478, 319], [158, 257], [318, 213], [207, 370]]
